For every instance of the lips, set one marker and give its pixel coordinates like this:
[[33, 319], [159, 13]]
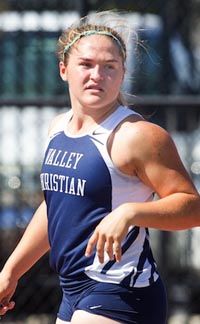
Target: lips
[[94, 87]]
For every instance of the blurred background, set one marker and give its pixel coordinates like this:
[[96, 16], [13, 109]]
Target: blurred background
[[164, 77]]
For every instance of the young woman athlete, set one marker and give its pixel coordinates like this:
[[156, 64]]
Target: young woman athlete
[[102, 166]]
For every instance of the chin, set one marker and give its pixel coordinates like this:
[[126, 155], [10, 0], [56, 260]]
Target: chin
[[98, 103], [95, 104]]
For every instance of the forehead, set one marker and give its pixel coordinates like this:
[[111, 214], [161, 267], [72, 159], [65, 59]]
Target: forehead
[[96, 44]]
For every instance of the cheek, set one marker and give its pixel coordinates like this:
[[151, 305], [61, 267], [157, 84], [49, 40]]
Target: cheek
[[117, 75], [117, 80], [76, 80], [80, 75]]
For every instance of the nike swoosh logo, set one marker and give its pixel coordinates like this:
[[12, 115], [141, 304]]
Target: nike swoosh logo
[[98, 132], [94, 307]]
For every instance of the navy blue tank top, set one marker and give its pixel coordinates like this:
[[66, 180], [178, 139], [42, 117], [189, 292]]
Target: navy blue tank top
[[81, 186]]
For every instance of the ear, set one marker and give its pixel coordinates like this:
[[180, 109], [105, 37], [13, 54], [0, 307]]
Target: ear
[[123, 74], [63, 70]]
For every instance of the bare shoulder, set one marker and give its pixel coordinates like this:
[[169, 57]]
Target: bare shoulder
[[152, 142], [55, 121], [142, 143], [143, 133], [145, 149]]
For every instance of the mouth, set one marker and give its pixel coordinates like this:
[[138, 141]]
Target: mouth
[[95, 88]]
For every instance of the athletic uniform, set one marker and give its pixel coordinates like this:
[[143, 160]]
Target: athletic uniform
[[81, 186]]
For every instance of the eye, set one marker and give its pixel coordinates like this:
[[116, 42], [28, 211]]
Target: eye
[[110, 66], [86, 64]]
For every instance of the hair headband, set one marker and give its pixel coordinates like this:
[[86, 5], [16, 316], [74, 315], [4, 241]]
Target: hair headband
[[93, 32]]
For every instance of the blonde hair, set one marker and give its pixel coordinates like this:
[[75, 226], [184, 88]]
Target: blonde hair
[[71, 35]]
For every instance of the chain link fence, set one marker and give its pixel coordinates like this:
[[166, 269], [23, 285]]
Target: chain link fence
[[165, 80]]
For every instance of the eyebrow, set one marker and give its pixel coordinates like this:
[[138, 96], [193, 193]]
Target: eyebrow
[[89, 60]]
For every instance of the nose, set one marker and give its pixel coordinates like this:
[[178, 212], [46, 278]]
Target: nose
[[97, 73]]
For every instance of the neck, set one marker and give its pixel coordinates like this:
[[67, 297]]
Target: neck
[[82, 121]]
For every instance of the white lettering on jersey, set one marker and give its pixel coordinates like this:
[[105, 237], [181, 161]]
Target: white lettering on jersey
[[61, 183], [63, 159]]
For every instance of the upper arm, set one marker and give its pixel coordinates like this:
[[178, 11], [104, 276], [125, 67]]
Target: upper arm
[[157, 162], [146, 150]]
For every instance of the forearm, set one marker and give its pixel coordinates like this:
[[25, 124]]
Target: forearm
[[178, 211], [32, 246]]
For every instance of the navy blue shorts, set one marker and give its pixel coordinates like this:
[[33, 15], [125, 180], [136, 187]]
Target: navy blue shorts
[[125, 305]]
